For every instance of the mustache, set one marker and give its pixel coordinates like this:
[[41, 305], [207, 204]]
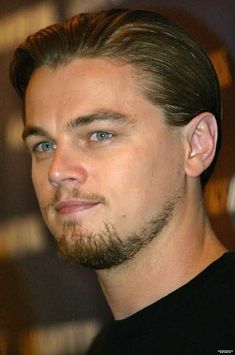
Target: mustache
[[75, 194]]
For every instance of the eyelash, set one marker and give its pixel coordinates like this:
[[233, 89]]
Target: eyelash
[[108, 137], [35, 148]]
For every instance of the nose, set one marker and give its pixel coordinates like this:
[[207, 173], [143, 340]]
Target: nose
[[66, 169]]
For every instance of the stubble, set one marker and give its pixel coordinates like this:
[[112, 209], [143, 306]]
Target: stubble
[[108, 249]]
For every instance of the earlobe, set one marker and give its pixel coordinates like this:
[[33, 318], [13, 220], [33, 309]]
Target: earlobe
[[201, 134]]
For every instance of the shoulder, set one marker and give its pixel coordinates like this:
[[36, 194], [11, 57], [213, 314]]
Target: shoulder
[[97, 346], [217, 281], [223, 269]]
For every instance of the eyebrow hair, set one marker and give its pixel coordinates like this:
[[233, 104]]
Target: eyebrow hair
[[110, 116], [81, 121], [33, 131]]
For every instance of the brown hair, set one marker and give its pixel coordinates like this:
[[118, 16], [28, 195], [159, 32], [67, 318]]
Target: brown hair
[[175, 73]]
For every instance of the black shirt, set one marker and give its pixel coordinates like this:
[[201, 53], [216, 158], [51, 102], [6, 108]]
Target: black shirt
[[196, 319]]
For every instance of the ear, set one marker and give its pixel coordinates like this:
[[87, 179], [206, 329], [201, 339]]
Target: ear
[[201, 135]]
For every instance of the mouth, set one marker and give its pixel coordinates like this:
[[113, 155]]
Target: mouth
[[74, 206]]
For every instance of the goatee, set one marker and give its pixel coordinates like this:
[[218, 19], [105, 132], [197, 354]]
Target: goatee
[[108, 249]]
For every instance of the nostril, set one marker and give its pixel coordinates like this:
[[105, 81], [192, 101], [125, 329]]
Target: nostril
[[66, 167], [67, 176], [54, 179]]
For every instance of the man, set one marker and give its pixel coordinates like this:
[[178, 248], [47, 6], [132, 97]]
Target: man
[[122, 119]]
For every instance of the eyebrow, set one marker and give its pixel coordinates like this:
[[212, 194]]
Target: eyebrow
[[109, 116], [81, 121], [33, 131]]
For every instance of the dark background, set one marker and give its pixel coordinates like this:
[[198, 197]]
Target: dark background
[[47, 307]]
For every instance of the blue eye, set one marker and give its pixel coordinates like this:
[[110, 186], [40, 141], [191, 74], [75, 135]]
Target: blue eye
[[44, 147], [101, 136]]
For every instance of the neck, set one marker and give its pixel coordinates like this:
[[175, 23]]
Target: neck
[[172, 259]]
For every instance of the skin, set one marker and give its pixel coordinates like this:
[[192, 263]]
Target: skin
[[103, 154]]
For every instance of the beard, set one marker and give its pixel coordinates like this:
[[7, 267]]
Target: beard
[[108, 249]]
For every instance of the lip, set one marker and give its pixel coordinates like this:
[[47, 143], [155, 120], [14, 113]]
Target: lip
[[74, 206]]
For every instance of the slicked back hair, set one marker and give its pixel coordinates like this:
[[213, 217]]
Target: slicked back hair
[[175, 73]]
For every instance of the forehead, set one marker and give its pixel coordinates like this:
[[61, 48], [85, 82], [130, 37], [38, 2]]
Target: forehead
[[82, 75], [84, 86]]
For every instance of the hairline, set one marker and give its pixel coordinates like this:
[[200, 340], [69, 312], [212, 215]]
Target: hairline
[[137, 70]]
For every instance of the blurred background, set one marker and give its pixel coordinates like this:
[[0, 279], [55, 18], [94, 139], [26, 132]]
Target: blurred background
[[46, 306]]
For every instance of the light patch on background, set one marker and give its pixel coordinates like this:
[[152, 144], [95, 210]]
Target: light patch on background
[[216, 194], [14, 128], [3, 342], [231, 196], [220, 196], [16, 26], [74, 6], [219, 59], [59, 339], [20, 236]]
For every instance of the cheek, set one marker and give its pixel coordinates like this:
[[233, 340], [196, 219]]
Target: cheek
[[131, 180], [142, 180], [41, 185]]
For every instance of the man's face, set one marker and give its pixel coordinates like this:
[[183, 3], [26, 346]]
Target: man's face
[[108, 172]]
